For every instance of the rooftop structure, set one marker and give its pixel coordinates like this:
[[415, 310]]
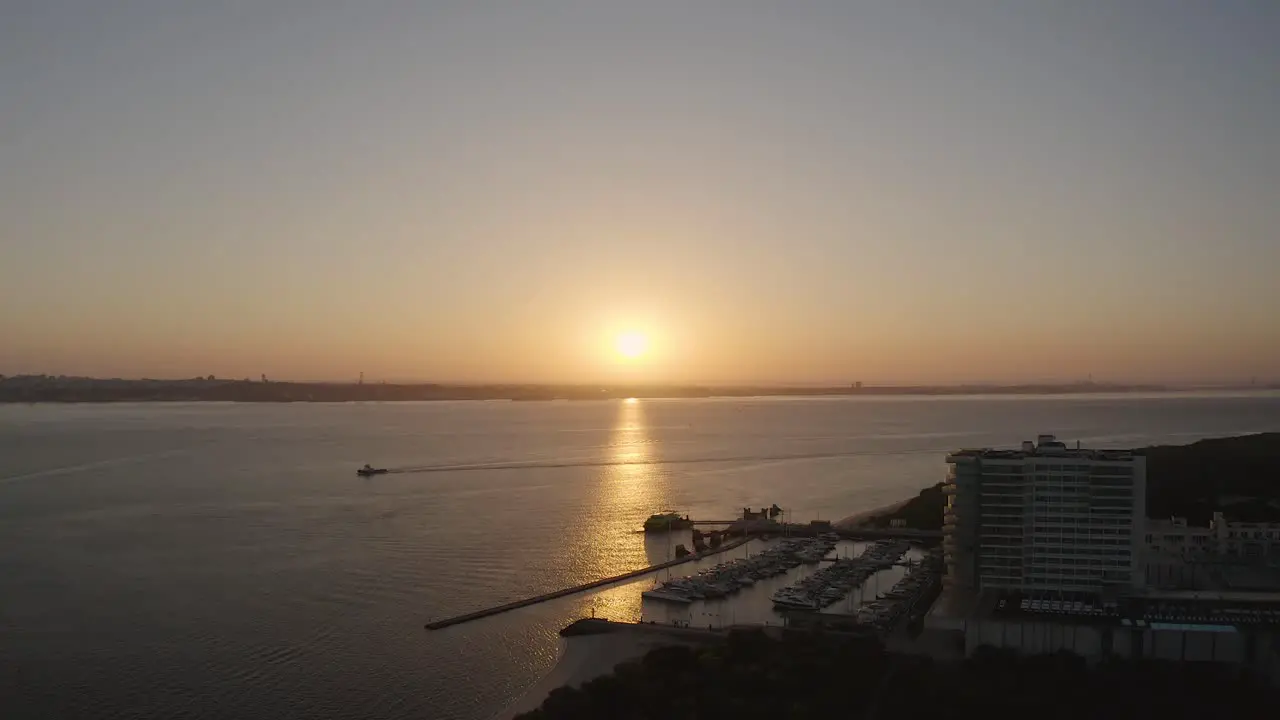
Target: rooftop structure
[[1045, 446]]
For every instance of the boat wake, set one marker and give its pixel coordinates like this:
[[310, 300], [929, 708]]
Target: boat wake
[[95, 465]]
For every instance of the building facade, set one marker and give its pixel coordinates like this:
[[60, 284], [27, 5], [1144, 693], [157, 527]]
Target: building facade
[[1244, 539], [1045, 519], [1174, 537], [1223, 538]]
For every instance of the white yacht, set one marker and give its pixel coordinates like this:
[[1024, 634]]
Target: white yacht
[[666, 596]]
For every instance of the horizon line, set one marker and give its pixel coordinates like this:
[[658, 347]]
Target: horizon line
[[1154, 384]]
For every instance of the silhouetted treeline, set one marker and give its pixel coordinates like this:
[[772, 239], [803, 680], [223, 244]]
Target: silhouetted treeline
[[1238, 475], [827, 676], [924, 511]]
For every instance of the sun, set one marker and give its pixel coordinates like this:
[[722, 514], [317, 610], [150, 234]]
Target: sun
[[631, 345]]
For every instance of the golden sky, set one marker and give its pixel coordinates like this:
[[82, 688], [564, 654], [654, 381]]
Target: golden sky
[[454, 193]]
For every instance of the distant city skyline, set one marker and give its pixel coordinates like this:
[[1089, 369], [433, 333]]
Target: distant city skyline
[[579, 192]]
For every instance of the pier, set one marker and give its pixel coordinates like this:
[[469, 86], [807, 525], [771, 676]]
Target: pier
[[517, 604]]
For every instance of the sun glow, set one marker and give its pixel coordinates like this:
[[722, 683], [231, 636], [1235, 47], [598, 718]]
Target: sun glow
[[631, 345]]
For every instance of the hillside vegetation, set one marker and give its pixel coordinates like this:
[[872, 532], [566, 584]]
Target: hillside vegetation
[[825, 676]]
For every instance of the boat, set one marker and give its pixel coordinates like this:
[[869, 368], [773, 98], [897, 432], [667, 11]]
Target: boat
[[715, 591], [794, 601], [667, 596], [368, 470]]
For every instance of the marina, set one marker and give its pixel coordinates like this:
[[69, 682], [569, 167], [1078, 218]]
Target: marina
[[710, 588], [754, 604], [834, 582], [914, 590], [728, 578]]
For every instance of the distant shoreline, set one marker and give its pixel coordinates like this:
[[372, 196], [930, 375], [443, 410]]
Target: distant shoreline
[[47, 389]]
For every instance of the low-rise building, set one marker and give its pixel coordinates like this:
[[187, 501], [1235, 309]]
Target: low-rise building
[[1175, 537], [1240, 628], [1244, 539], [1222, 538]]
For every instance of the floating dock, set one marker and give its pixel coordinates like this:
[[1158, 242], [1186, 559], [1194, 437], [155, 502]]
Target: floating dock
[[468, 617]]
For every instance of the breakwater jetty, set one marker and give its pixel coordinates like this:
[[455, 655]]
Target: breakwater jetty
[[525, 602]]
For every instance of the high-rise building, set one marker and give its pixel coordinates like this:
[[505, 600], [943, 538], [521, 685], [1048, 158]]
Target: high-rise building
[[1045, 519]]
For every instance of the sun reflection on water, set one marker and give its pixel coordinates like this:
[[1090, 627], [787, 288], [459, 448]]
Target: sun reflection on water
[[628, 491]]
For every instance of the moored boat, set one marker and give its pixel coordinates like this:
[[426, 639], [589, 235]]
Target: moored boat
[[666, 596]]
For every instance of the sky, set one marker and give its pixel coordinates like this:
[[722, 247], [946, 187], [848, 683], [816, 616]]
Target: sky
[[776, 192]]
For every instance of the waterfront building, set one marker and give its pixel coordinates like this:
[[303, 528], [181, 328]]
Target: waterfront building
[[1047, 548], [1045, 519]]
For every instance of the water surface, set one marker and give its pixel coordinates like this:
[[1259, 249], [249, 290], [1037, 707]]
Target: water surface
[[213, 561]]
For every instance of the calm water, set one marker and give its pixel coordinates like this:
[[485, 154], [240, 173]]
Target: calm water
[[213, 561]]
